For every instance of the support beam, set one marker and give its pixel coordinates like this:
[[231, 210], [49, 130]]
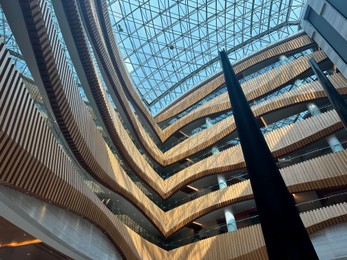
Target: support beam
[[284, 233], [228, 212], [208, 122], [230, 219], [332, 140], [335, 98], [222, 183]]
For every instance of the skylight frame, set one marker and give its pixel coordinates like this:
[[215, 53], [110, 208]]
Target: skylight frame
[[171, 46]]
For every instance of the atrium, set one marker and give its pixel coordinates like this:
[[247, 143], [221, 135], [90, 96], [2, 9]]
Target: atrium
[[120, 135]]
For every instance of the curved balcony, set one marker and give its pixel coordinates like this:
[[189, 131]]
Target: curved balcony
[[96, 33], [255, 88], [201, 91], [32, 156], [34, 163], [280, 141]]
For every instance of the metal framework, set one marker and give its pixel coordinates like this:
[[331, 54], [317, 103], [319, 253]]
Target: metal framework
[[10, 41], [171, 46], [11, 44]]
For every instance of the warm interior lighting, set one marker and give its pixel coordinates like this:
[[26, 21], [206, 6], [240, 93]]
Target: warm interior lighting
[[263, 120], [193, 188], [189, 160], [22, 243], [183, 133], [197, 223]]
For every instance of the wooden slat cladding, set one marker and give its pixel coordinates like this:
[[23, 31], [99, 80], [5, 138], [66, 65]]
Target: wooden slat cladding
[[73, 117], [210, 86], [121, 183], [162, 186], [119, 136], [142, 168], [253, 88], [268, 82], [218, 104], [116, 58], [115, 84], [310, 91], [319, 173], [248, 243], [147, 141], [125, 141], [39, 145], [89, 12], [280, 141], [305, 93], [32, 161]]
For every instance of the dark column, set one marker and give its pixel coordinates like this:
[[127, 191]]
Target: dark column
[[335, 98], [284, 233]]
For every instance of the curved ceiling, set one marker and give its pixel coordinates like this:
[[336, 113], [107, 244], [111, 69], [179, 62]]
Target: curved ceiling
[[170, 46]]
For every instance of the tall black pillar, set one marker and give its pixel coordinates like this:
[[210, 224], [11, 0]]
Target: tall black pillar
[[335, 98], [284, 233]]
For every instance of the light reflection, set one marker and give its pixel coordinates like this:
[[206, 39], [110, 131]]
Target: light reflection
[[21, 243]]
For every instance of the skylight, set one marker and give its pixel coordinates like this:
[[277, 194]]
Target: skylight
[[170, 46]]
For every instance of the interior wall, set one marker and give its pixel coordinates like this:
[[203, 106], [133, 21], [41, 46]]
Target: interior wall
[[331, 243]]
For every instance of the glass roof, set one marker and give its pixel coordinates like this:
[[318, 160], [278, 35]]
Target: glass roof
[[170, 46], [11, 45]]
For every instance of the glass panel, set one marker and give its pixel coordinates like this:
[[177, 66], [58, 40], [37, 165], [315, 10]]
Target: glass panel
[[178, 40]]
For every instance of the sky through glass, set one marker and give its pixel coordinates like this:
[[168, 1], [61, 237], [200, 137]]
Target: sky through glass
[[171, 46]]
